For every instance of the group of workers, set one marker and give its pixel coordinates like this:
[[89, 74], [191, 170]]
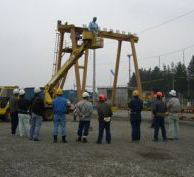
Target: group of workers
[[160, 110], [29, 116], [27, 113]]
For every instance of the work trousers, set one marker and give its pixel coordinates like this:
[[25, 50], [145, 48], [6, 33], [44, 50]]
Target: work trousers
[[104, 125], [159, 123], [83, 128], [173, 125], [14, 122], [24, 124], [59, 120], [135, 133], [35, 124]]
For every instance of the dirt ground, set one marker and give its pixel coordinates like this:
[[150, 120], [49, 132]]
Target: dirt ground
[[20, 157]]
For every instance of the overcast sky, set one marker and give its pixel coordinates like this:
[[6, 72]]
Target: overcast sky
[[28, 27]]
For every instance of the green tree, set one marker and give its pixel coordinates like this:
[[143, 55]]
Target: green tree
[[191, 67], [180, 78], [190, 70]]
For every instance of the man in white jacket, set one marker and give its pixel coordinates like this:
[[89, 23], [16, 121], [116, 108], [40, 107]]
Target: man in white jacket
[[84, 111], [174, 108]]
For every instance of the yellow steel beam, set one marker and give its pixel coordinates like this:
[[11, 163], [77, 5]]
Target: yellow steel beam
[[136, 68], [116, 73], [103, 34], [77, 75]]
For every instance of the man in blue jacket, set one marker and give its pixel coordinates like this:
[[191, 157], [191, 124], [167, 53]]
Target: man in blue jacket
[[60, 110], [136, 106], [93, 26]]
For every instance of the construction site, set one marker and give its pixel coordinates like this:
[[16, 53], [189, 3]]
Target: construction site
[[75, 46]]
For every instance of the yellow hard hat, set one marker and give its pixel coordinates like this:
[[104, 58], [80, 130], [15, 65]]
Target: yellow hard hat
[[59, 91], [135, 93]]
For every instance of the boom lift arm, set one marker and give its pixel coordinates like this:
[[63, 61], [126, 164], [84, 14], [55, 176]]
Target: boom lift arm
[[89, 41], [76, 54]]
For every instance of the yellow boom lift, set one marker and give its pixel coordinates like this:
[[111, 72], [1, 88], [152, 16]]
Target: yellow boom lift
[[89, 41]]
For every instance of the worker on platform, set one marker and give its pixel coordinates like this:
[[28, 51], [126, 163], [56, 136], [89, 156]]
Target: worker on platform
[[60, 107], [93, 26], [84, 112], [174, 108], [23, 104], [136, 106], [104, 118], [159, 111], [37, 112], [13, 106]]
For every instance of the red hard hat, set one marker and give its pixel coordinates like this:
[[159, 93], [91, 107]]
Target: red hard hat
[[102, 98], [159, 94]]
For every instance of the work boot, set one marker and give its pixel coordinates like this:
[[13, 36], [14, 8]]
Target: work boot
[[55, 139], [64, 139], [85, 140], [79, 139]]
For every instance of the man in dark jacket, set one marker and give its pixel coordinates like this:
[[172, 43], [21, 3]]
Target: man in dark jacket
[[159, 111], [60, 111], [23, 115], [13, 106], [136, 106], [104, 117], [37, 111]]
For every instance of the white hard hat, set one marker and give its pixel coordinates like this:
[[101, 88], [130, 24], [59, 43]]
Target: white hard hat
[[16, 91], [172, 93], [85, 94], [37, 90], [22, 92]]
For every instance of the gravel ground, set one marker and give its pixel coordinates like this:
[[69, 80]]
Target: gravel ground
[[20, 157]]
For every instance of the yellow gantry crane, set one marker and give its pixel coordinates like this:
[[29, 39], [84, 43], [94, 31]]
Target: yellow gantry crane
[[89, 41]]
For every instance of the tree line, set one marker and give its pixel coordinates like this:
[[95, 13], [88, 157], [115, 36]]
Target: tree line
[[174, 76]]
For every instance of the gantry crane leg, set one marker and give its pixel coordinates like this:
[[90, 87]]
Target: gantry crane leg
[[77, 75], [136, 68], [116, 73]]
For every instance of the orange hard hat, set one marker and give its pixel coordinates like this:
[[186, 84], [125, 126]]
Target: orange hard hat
[[101, 97]]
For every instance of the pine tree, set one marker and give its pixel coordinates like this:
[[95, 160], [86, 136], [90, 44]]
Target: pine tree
[[190, 70]]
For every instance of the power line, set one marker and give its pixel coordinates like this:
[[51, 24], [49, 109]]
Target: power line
[[151, 57], [168, 53], [161, 24], [168, 21]]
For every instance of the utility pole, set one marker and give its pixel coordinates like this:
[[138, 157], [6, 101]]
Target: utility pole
[[94, 77], [183, 57], [129, 55], [159, 63]]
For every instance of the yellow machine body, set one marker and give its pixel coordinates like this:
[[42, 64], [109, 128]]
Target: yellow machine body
[[5, 94]]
